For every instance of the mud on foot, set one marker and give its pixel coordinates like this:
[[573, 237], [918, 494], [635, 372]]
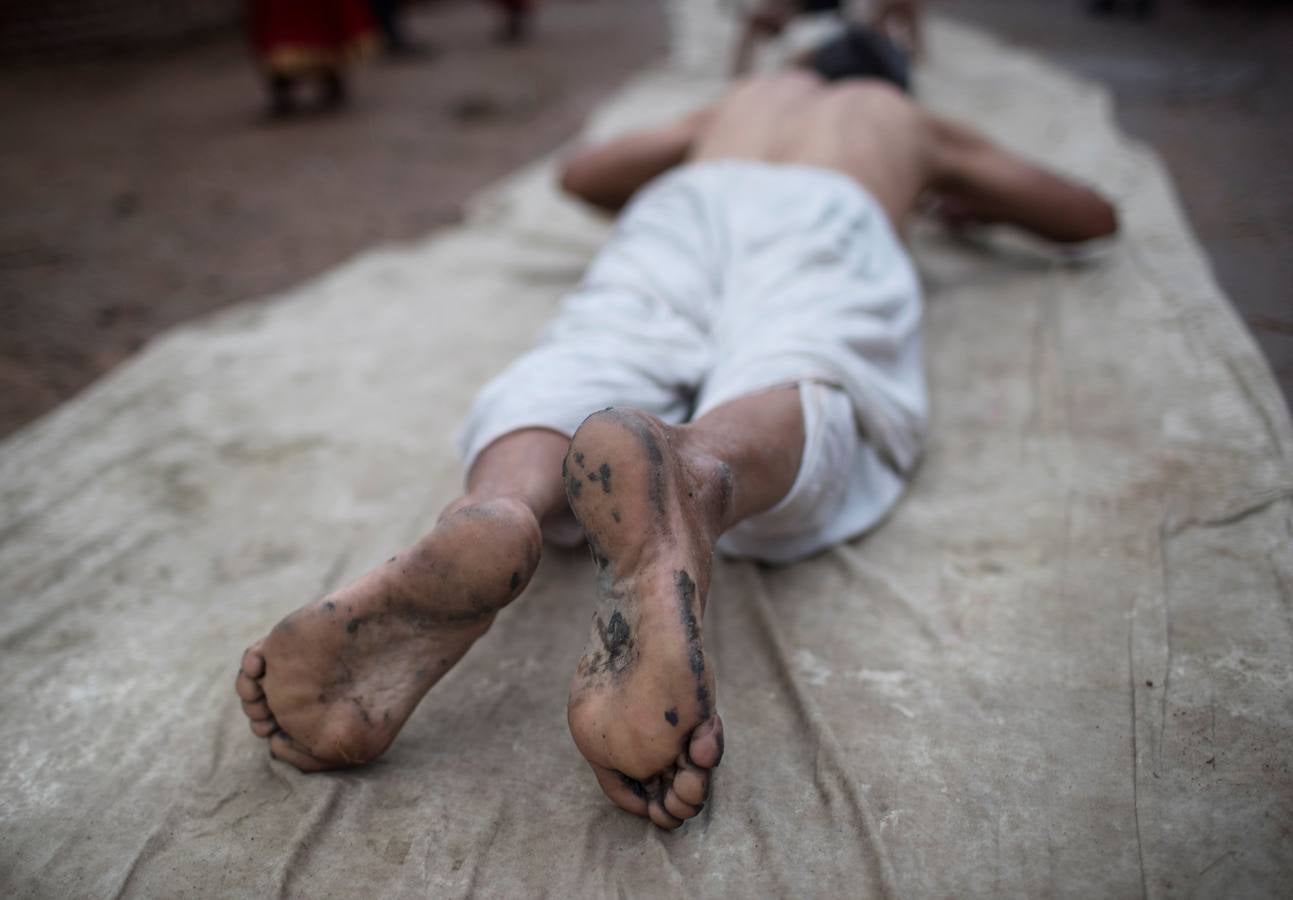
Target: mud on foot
[[642, 703]]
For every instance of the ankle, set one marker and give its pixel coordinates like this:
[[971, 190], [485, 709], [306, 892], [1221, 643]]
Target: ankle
[[709, 482]]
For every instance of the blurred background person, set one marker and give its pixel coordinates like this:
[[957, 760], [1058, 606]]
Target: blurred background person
[[309, 41]]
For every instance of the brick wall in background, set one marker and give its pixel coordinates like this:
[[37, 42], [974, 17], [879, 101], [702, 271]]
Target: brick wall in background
[[36, 29]]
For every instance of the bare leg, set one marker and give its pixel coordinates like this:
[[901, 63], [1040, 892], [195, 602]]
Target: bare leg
[[334, 682], [653, 499]]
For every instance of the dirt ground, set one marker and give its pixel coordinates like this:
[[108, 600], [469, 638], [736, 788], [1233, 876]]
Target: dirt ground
[[139, 193]]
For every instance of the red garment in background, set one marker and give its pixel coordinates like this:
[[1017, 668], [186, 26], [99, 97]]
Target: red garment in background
[[295, 36]]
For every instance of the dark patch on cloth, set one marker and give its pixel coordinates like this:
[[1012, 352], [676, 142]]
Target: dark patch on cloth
[[671, 716]]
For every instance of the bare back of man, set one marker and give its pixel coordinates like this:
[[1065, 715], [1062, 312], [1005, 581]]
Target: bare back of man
[[867, 130]]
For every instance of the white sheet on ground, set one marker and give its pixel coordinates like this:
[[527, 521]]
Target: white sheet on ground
[[1062, 667]]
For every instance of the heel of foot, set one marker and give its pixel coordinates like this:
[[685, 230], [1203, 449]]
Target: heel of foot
[[628, 471], [491, 547], [619, 475]]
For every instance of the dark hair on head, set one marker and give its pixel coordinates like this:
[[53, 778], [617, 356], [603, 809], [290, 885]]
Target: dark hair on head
[[862, 52]]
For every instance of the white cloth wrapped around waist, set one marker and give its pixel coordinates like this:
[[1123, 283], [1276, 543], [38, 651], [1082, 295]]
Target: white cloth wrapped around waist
[[728, 278]]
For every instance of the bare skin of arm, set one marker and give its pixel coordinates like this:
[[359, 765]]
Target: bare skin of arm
[[975, 181], [869, 131], [608, 175]]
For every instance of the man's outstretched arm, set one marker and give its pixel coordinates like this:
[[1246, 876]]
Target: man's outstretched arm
[[608, 175], [976, 181]]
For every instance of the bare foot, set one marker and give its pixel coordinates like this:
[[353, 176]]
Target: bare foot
[[642, 699], [334, 682]]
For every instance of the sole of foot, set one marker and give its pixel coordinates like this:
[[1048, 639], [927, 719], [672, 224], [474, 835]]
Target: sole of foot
[[334, 682], [642, 702]]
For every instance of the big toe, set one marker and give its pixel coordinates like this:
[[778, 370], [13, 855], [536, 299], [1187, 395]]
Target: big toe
[[706, 746], [661, 817], [247, 682], [253, 660], [624, 792], [690, 784]]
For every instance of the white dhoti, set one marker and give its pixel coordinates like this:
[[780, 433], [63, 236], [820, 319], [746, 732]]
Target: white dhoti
[[728, 278]]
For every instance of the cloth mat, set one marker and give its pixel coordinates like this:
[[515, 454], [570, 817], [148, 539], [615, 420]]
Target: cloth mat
[[1061, 668]]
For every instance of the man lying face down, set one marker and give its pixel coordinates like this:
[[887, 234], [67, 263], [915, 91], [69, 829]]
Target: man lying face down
[[740, 370]]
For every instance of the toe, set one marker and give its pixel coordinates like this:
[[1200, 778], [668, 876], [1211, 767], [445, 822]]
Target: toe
[[676, 807], [263, 728], [624, 792], [706, 747], [253, 661], [691, 784], [247, 688], [256, 710], [661, 817]]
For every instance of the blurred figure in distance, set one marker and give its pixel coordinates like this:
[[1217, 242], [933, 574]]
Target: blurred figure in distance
[[311, 41]]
